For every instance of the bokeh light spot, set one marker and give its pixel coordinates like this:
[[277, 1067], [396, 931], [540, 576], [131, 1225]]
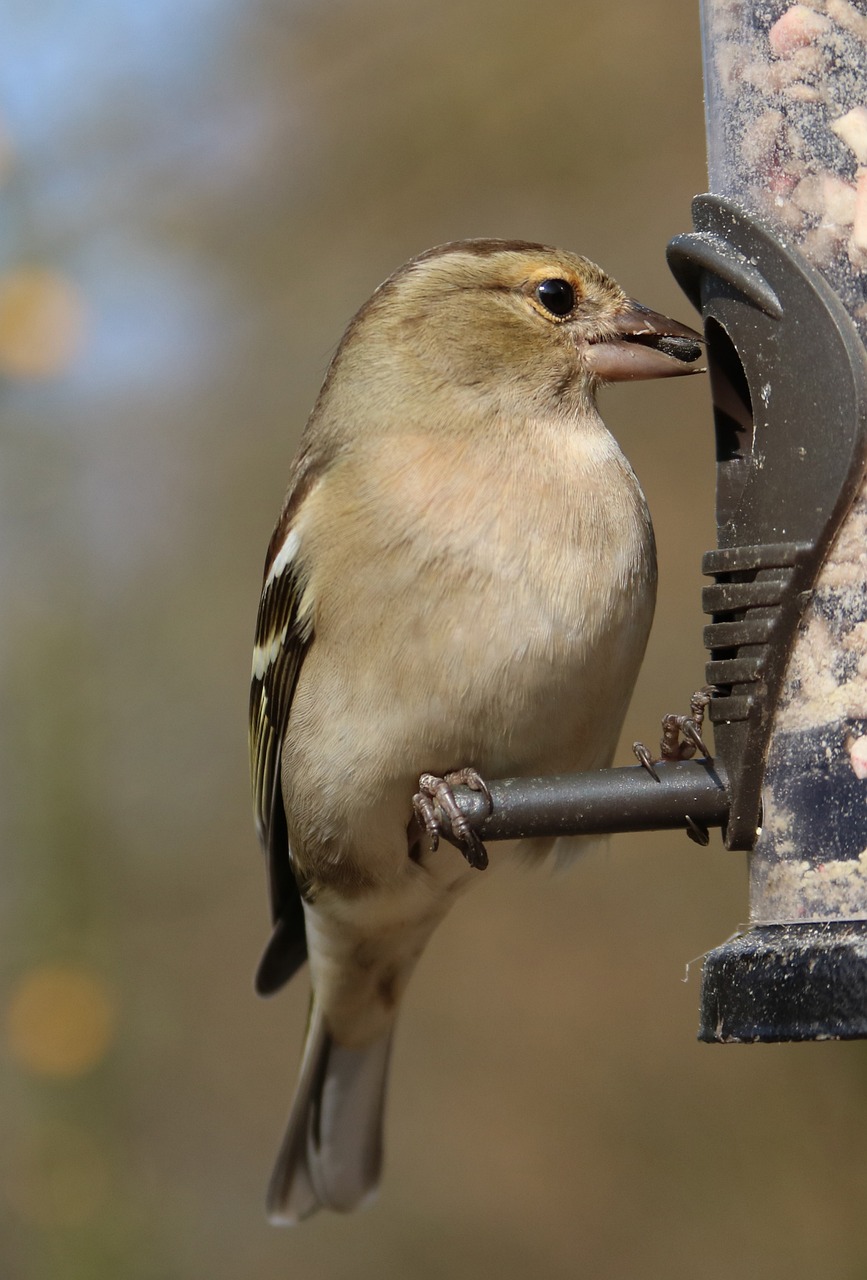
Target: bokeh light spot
[[60, 1020], [41, 323]]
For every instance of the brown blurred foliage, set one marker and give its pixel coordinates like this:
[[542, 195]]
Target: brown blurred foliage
[[217, 188]]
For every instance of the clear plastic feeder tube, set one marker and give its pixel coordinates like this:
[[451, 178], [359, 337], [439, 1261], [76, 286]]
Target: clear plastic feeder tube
[[787, 139], [786, 92]]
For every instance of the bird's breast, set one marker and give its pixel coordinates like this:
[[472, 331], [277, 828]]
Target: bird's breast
[[499, 595]]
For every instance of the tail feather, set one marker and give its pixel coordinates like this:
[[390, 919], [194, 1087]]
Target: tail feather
[[331, 1154]]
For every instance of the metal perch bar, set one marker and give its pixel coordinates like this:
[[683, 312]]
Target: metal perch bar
[[602, 802]]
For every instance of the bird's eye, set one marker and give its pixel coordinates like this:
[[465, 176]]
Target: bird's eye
[[556, 296]]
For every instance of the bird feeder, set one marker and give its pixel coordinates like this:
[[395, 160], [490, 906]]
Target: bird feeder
[[777, 264]]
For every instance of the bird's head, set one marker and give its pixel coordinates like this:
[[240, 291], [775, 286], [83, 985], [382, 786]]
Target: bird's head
[[502, 315]]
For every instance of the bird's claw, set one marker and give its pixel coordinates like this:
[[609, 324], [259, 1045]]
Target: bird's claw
[[645, 759], [681, 735], [681, 738], [697, 831], [434, 793]]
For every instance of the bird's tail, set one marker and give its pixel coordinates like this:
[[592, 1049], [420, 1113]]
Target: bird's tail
[[331, 1153]]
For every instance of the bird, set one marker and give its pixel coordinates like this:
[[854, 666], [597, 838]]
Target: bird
[[460, 584]]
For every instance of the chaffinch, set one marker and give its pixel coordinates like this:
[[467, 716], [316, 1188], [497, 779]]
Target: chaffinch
[[463, 574]]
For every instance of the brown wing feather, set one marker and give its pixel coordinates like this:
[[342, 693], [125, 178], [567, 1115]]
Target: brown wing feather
[[282, 640]]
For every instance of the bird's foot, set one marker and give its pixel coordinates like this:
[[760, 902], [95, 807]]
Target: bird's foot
[[433, 793], [681, 735]]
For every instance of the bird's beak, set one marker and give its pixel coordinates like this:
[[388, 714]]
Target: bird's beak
[[643, 344]]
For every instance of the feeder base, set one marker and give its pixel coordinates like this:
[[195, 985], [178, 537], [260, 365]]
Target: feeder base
[[787, 982]]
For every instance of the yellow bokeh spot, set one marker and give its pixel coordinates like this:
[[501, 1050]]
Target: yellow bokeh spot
[[41, 323], [60, 1020]]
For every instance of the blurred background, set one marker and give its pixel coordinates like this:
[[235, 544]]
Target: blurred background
[[196, 196]]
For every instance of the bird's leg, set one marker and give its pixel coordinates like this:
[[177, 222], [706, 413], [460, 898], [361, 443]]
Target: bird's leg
[[433, 792], [681, 735]]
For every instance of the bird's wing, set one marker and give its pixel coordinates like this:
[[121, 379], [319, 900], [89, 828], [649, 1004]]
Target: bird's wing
[[282, 639]]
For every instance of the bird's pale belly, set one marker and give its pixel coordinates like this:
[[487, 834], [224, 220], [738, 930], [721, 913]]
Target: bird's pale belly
[[524, 689], [558, 705]]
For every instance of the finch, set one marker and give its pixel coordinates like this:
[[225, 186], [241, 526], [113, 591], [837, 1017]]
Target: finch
[[462, 575]]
